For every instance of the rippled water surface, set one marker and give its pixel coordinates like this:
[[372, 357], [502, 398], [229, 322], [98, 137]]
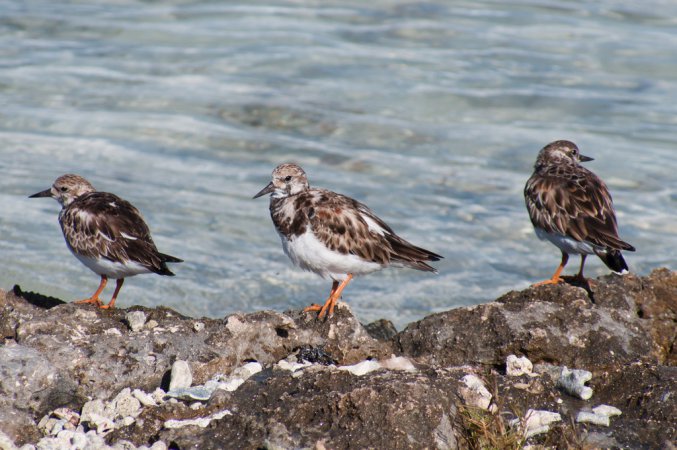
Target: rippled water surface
[[430, 112]]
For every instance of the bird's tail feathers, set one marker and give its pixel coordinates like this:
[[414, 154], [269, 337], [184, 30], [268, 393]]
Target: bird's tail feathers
[[614, 260], [412, 256]]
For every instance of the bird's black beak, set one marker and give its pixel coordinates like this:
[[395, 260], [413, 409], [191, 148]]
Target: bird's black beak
[[45, 193], [583, 158], [266, 190]]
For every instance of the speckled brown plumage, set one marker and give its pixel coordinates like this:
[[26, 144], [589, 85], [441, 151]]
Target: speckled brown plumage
[[106, 233], [334, 235], [566, 200], [101, 224]]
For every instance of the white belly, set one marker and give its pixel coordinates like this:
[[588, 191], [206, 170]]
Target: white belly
[[112, 269], [307, 252], [566, 244]]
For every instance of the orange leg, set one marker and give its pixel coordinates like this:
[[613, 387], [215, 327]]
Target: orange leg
[[95, 298], [118, 286], [315, 306], [330, 304], [556, 276]]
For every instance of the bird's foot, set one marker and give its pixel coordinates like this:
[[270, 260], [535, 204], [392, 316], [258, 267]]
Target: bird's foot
[[554, 280], [325, 311], [94, 300]]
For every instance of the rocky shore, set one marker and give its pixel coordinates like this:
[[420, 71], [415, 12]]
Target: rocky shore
[[554, 366]]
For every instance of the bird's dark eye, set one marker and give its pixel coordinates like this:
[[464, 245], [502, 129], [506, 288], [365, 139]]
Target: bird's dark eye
[[574, 152], [63, 188], [287, 178]]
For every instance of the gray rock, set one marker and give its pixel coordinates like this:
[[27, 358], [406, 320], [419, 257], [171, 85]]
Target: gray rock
[[413, 400]]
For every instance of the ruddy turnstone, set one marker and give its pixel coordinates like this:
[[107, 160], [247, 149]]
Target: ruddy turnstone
[[106, 233], [333, 235], [571, 207]]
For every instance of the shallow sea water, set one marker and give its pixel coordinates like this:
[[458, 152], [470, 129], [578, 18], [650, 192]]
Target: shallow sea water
[[429, 112]]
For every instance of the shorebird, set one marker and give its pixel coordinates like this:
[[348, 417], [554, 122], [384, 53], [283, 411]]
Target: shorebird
[[105, 233], [571, 207], [333, 235]]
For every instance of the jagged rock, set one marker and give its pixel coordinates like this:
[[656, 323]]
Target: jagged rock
[[557, 323], [333, 384]]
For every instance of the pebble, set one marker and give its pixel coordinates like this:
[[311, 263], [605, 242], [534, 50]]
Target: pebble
[[573, 382], [143, 398], [515, 367], [91, 408], [607, 410], [475, 394], [590, 417], [200, 393], [600, 415], [136, 320], [181, 376], [536, 422]]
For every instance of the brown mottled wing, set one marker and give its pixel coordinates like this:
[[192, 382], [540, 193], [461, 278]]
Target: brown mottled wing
[[341, 223], [101, 224], [575, 203]]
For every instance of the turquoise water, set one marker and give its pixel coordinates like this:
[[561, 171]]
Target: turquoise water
[[431, 113]]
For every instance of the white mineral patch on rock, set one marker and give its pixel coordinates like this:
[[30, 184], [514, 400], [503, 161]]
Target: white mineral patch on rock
[[362, 368], [398, 363], [200, 422], [292, 366], [515, 367], [573, 382], [181, 376]]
